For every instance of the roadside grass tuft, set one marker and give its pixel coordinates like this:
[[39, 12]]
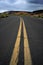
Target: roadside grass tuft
[[3, 15]]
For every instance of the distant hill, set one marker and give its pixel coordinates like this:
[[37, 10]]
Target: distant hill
[[38, 11], [17, 12], [24, 12]]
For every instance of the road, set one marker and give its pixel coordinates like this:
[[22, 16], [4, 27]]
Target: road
[[34, 27], [21, 41], [8, 32]]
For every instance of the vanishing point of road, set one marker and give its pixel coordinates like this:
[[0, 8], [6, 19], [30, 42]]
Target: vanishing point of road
[[21, 40]]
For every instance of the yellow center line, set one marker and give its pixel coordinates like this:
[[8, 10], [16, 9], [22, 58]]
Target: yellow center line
[[27, 55], [14, 58]]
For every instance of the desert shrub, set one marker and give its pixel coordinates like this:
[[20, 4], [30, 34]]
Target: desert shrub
[[3, 15]]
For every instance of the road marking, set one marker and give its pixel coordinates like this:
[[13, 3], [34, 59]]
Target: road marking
[[27, 55], [14, 58]]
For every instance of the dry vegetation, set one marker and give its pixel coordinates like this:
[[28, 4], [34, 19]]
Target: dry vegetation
[[3, 15], [21, 13]]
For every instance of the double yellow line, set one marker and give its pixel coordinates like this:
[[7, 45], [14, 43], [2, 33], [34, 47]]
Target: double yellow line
[[27, 55], [14, 58]]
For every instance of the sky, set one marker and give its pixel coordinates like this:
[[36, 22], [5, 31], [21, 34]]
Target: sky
[[20, 5]]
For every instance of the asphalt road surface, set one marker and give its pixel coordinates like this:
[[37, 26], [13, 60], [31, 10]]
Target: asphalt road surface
[[34, 27], [8, 32], [30, 35]]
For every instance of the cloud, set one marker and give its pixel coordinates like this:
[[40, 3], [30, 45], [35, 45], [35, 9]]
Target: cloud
[[35, 1], [18, 5], [21, 2], [13, 2], [1, 11], [8, 1]]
